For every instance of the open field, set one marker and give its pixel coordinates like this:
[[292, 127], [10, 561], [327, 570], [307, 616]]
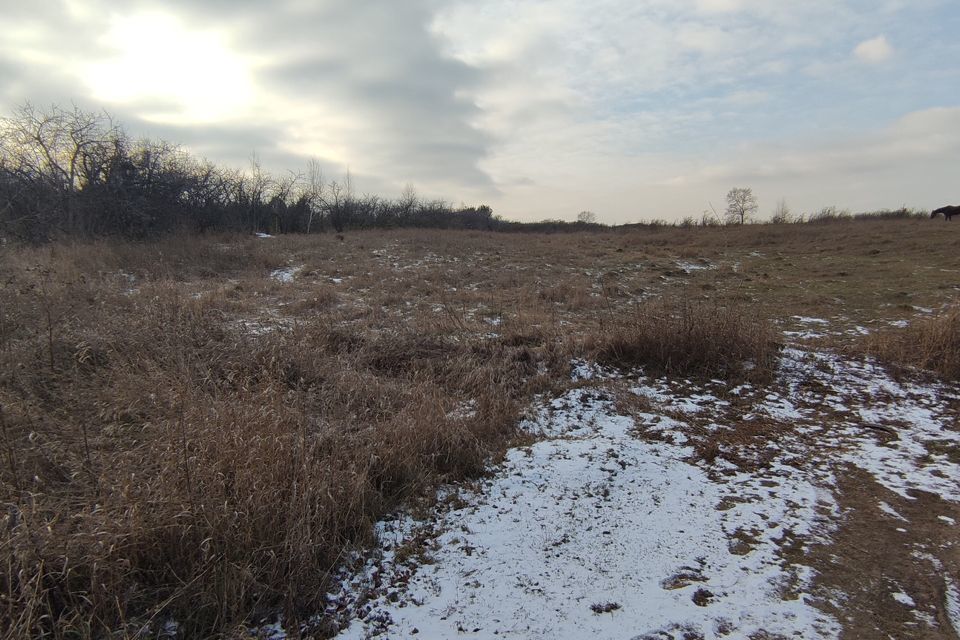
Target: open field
[[695, 433]]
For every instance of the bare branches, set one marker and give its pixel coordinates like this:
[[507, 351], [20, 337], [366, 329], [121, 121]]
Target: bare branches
[[67, 171], [741, 205]]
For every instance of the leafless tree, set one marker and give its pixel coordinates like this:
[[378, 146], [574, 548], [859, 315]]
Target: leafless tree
[[709, 219], [782, 213], [741, 205], [314, 193], [60, 151], [65, 171]]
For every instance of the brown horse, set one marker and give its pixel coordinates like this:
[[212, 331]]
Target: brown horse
[[948, 212]]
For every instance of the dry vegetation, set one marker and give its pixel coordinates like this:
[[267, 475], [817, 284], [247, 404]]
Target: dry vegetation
[[932, 344], [688, 338], [186, 435]]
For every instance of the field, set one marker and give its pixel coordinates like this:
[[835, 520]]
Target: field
[[745, 431]]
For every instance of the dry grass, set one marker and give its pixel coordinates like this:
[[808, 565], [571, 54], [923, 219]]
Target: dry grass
[[932, 344], [687, 338], [162, 459], [184, 436]]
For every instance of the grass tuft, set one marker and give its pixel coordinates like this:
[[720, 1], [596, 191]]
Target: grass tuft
[[932, 344], [689, 338]]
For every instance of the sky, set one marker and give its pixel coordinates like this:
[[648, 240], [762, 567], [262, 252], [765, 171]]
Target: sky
[[632, 109]]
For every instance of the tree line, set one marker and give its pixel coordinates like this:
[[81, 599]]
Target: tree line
[[73, 172], [69, 172]]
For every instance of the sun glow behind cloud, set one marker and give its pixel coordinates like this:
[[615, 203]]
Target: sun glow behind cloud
[[540, 109], [189, 75]]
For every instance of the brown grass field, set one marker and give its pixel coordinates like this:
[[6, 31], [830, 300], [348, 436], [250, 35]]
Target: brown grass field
[[204, 426]]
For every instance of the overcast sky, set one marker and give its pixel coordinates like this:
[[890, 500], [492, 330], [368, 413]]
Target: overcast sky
[[633, 109]]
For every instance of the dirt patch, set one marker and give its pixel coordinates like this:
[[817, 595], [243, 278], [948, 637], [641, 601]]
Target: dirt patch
[[884, 574]]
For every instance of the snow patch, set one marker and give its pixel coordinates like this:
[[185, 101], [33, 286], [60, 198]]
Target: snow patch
[[952, 604], [690, 267], [912, 419], [804, 335], [890, 511], [286, 274], [592, 531]]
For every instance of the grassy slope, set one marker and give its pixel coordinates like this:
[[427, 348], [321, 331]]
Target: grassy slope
[[184, 433]]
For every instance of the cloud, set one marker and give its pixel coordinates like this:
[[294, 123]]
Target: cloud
[[747, 97], [365, 84], [874, 50], [922, 137], [537, 107], [908, 161], [719, 6]]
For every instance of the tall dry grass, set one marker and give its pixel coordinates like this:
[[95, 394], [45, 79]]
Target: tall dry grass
[[691, 338], [160, 459], [183, 436], [932, 344]]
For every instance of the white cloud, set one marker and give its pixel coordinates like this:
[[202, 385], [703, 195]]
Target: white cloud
[[747, 98], [719, 6], [874, 51], [218, 88], [562, 105], [927, 136]]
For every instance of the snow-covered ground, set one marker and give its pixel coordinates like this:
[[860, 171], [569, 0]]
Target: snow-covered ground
[[609, 525], [596, 531], [286, 274]]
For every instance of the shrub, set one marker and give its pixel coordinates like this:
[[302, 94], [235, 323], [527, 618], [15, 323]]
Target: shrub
[[691, 338], [903, 213], [829, 214], [158, 459], [931, 343]]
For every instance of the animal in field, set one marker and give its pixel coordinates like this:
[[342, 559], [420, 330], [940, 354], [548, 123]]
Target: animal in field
[[948, 212]]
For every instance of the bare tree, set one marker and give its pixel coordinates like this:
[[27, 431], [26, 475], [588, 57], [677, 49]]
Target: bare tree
[[587, 217], [314, 193], [709, 219], [741, 205], [337, 205], [64, 171], [61, 151], [782, 214]]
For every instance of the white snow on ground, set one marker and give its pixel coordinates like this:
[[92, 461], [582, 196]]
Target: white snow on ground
[[583, 370], [808, 334], [261, 325], [594, 532], [804, 335], [688, 403], [285, 275], [952, 604], [914, 417], [606, 528], [689, 267], [890, 511]]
